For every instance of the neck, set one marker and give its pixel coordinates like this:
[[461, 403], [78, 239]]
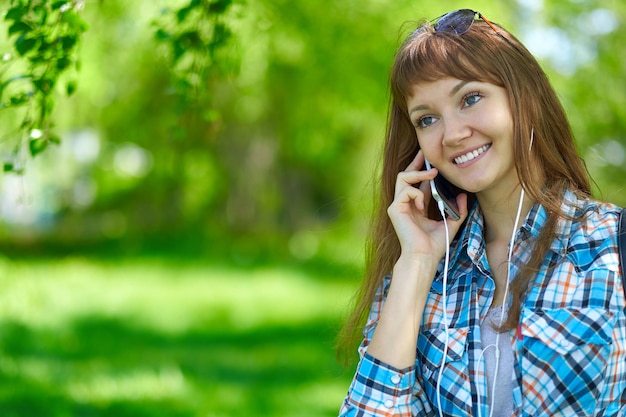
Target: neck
[[500, 212]]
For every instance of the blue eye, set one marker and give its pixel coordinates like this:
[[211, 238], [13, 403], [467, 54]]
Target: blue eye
[[471, 99], [424, 122]]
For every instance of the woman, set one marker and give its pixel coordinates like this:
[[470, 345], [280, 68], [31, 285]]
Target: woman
[[534, 320]]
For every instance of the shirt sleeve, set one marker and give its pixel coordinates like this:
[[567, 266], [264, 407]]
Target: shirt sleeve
[[379, 389]]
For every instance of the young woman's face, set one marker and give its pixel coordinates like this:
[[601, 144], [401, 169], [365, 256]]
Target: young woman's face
[[465, 130]]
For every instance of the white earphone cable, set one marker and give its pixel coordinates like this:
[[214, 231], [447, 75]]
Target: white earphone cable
[[506, 287], [505, 300], [444, 308]]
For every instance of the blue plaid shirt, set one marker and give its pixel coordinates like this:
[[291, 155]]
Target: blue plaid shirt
[[569, 348]]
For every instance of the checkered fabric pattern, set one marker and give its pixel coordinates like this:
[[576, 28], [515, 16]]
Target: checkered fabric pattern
[[569, 348]]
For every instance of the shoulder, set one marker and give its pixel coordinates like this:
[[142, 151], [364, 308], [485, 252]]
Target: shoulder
[[590, 230], [592, 219]]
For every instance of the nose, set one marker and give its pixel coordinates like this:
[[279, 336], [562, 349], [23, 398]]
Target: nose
[[455, 131]]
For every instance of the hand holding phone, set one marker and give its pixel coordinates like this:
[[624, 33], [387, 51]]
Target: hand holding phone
[[445, 193]]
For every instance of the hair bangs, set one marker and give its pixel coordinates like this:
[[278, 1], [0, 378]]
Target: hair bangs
[[428, 56]]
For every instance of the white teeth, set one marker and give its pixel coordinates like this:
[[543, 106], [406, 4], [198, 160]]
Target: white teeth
[[470, 155]]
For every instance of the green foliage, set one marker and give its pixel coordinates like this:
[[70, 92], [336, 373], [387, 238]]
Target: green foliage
[[45, 37], [193, 36], [586, 65], [254, 128]]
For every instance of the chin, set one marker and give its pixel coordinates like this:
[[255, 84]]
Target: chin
[[471, 188], [477, 185]]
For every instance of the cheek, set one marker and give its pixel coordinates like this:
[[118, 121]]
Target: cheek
[[501, 117], [429, 147], [428, 139], [498, 125]]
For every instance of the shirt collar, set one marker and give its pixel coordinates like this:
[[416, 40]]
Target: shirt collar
[[468, 244], [471, 238]]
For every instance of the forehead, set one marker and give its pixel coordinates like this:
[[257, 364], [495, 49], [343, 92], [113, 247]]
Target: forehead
[[434, 90], [444, 83]]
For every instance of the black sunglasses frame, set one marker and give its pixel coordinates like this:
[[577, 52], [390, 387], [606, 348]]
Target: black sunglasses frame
[[459, 22]]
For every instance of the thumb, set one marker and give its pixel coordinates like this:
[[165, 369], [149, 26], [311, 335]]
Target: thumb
[[461, 201]]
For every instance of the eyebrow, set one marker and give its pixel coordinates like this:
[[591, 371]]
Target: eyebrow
[[457, 87], [454, 90]]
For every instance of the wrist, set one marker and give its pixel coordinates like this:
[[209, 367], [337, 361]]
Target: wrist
[[416, 272], [416, 262]]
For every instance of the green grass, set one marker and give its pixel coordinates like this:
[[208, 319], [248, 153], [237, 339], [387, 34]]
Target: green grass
[[162, 338]]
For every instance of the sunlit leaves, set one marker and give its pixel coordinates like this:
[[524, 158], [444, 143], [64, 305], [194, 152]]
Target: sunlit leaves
[[36, 146], [45, 35], [192, 37], [70, 88]]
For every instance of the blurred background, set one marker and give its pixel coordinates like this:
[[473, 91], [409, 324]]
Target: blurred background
[[186, 189]]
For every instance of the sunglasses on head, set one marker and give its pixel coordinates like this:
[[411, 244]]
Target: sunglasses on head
[[459, 22]]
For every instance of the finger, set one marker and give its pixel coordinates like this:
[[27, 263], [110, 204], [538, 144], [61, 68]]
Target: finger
[[409, 177], [413, 178], [409, 195], [413, 175], [425, 186], [461, 202]]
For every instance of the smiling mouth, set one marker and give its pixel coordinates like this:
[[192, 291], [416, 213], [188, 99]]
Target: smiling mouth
[[471, 155]]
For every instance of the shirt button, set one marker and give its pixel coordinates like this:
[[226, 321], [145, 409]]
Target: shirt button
[[388, 403], [395, 379]]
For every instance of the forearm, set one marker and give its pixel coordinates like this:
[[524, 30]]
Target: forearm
[[395, 337], [385, 382]]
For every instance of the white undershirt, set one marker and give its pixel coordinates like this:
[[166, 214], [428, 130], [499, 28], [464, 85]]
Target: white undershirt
[[503, 404]]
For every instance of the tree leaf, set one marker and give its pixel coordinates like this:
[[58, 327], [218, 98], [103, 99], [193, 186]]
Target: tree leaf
[[44, 84], [19, 99], [19, 27], [15, 13], [190, 39], [221, 34], [178, 50], [63, 63], [71, 88], [182, 14], [58, 4], [37, 146], [219, 6], [162, 35], [54, 139], [41, 11], [75, 22], [23, 45], [68, 42]]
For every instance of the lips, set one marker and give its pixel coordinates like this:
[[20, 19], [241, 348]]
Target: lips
[[471, 155]]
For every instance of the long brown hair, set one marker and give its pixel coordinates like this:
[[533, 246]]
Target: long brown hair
[[546, 171]]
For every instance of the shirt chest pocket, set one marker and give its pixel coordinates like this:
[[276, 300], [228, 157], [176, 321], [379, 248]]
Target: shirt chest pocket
[[431, 346], [564, 359]]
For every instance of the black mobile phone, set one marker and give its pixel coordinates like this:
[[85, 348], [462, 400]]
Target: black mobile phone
[[445, 192]]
